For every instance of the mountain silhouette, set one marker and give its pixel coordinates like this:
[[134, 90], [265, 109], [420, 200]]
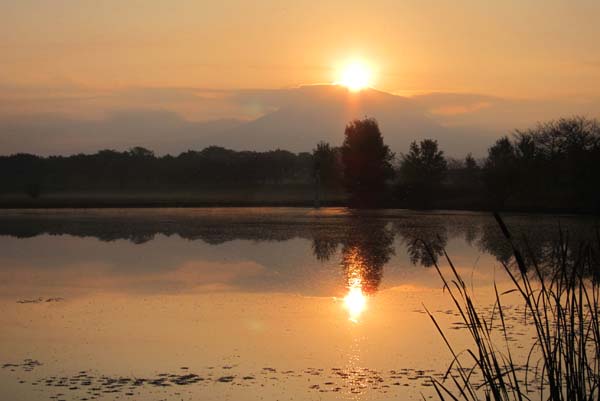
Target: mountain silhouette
[[294, 119], [310, 114]]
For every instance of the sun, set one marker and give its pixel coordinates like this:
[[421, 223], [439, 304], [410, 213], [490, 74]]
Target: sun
[[355, 76]]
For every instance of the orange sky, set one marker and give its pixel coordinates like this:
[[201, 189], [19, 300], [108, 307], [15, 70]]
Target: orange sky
[[530, 49]]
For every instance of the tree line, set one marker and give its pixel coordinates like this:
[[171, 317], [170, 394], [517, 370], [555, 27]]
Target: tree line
[[139, 169], [552, 166]]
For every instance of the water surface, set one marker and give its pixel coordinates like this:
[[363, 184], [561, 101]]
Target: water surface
[[243, 304]]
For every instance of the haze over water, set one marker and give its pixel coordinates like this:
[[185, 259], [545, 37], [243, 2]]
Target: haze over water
[[242, 304]]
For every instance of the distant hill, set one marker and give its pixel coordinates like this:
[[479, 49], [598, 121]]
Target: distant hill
[[311, 114], [161, 131], [294, 119]]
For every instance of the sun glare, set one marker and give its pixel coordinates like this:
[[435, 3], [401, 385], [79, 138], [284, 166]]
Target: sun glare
[[355, 301], [355, 76]]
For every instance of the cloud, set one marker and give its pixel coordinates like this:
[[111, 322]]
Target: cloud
[[460, 109], [84, 278], [501, 114], [196, 104], [162, 130]]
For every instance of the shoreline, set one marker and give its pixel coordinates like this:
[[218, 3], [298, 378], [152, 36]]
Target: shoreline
[[201, 204]]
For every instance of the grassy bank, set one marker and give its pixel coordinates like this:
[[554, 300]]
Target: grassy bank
[[242, 197], [210, 197], [265, 195]]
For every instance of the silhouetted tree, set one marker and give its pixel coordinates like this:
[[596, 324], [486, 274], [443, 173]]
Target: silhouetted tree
[[561, 159], [367, 163], [463, 183], [141, 152], [500, 173], [327, 164], [470, 163], [554, 165], [550, 165], [139, 169], [421, 172]]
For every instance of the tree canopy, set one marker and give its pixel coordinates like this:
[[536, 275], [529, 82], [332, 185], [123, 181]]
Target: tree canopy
[[367, 162], [421, 173], [551, 166]]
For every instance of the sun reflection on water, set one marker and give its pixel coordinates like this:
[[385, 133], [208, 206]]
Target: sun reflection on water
[[354, 374], [355, 300]]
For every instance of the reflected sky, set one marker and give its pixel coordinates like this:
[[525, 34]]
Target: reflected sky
[[301, 251], [337, 294]]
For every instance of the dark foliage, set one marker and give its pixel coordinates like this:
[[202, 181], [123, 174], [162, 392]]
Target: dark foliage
[[551, 167], [365, 251], [367, 163], [501, 171], [327, 165], [140, 169], [421, 173]]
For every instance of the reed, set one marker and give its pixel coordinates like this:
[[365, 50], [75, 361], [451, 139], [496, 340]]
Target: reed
[[561, 304]]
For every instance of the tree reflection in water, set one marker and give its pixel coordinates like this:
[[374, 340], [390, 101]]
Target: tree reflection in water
[[424, 243], [366, 239], [367, 245]]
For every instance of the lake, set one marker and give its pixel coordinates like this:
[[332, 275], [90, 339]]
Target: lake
[[245, 304]]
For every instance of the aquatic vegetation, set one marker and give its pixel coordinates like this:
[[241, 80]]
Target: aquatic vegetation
[[563, 309]]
